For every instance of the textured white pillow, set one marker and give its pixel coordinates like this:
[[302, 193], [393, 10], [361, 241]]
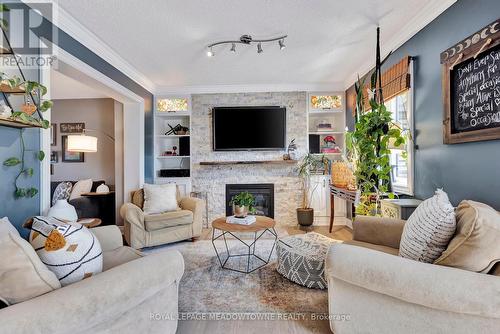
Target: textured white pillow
[[68, 249], [160, 198], [429, 229], [82, 186]]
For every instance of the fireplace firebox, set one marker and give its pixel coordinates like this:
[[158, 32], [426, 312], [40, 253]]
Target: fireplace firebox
[[264, 197]]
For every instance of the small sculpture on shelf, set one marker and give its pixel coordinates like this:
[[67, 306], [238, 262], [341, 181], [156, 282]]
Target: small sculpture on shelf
[[177, 130]]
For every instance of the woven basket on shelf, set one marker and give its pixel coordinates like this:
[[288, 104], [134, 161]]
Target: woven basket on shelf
[[342, 175]]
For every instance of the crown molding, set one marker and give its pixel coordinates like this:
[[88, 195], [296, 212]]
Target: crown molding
[[70, 25], [417, 23], [254, 88]]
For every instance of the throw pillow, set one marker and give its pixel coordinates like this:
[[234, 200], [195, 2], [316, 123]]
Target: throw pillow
[[68, 249], [160, 198], [6, 227], [476, 244], [82, 186], [429, 229], [22, 275], [62, 191]]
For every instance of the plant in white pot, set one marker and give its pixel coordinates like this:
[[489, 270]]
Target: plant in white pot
[[243, 204], [310, 164]]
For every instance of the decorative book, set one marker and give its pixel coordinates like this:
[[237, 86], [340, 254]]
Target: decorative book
[[248, 220]]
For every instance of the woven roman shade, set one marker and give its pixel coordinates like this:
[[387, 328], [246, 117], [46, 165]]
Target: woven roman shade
[[395, 80]]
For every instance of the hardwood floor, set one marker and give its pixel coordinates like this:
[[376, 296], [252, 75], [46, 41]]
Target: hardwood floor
[[276, 327]]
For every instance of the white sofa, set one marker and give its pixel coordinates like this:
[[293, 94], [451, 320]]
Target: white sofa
[[129, 296], [379, 292]]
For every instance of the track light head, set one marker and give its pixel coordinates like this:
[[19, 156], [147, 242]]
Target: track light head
[[233, 47], [210, 53], [281, 43], [259, 48]]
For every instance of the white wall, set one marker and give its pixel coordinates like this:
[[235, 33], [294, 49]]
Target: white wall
[[97, 114]]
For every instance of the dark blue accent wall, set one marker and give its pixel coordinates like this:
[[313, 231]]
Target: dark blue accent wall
[[468, 170], [19, 210]]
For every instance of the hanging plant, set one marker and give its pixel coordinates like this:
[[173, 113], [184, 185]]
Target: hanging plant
[[24, 170], [368, 144]]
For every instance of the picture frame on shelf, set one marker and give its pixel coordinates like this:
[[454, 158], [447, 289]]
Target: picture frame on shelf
[[70, 156]]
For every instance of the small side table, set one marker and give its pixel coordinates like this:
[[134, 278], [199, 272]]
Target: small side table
[[399, 208], [259, 228], [106, 206]]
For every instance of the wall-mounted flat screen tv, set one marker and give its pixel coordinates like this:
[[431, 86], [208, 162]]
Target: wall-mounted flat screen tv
[[249, 128]]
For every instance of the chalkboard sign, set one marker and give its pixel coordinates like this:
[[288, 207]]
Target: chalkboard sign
[[476, 93], [471, 87]]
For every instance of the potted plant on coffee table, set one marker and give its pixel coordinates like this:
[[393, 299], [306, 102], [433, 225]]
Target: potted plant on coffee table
[[243, 204], [310, 164]]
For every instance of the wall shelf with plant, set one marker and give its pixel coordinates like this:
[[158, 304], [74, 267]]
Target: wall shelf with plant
[[29, 114]]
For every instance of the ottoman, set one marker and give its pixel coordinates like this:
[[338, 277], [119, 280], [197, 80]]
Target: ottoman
[[301, 258]]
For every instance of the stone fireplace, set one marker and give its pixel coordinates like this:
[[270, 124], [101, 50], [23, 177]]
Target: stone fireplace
[[263, 193]]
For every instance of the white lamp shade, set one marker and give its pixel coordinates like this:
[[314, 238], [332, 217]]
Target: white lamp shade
[[82, 143]]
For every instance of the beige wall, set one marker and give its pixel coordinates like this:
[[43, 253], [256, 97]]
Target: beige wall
[[97, 114]]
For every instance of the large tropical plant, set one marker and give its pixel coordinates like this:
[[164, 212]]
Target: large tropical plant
[[368, 144]]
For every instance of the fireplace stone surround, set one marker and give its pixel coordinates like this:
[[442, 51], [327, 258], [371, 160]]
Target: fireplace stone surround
[[212, 180]]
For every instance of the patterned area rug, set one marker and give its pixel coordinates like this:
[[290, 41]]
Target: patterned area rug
[[206, 287]]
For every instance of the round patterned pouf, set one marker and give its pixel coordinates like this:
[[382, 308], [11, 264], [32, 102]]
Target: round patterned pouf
[[301, 258]]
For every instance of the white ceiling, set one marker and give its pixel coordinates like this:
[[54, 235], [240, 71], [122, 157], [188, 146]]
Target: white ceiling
[[64, 87], [329, 40]]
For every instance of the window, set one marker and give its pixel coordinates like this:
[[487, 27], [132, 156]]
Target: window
[[402, 157]]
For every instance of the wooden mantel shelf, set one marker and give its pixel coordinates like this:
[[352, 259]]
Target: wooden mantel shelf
[[254, 162]]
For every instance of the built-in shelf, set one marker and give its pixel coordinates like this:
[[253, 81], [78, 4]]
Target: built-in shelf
[[16, 124], [171, 136], [172, 156], [254, 162], [326, 133], [173, 114], [325, 113]]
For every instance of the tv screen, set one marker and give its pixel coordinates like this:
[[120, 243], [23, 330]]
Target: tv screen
[[249, 128]]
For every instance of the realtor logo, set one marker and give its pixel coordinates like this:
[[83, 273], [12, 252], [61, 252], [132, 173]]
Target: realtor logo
[[27, 33]]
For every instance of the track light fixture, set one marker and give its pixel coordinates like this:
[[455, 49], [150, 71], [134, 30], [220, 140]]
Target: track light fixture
[[248, 40]]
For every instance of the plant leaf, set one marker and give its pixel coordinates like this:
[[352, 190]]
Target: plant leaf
[[29, 171], [20, 192], [12, 162], [40, 155], [31, 192]]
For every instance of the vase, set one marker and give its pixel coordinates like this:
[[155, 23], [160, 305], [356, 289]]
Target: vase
[[63, 210], [305, 216], [240, 211]]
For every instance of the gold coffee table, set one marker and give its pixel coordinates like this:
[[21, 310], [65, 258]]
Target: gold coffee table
[[259, 228]]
